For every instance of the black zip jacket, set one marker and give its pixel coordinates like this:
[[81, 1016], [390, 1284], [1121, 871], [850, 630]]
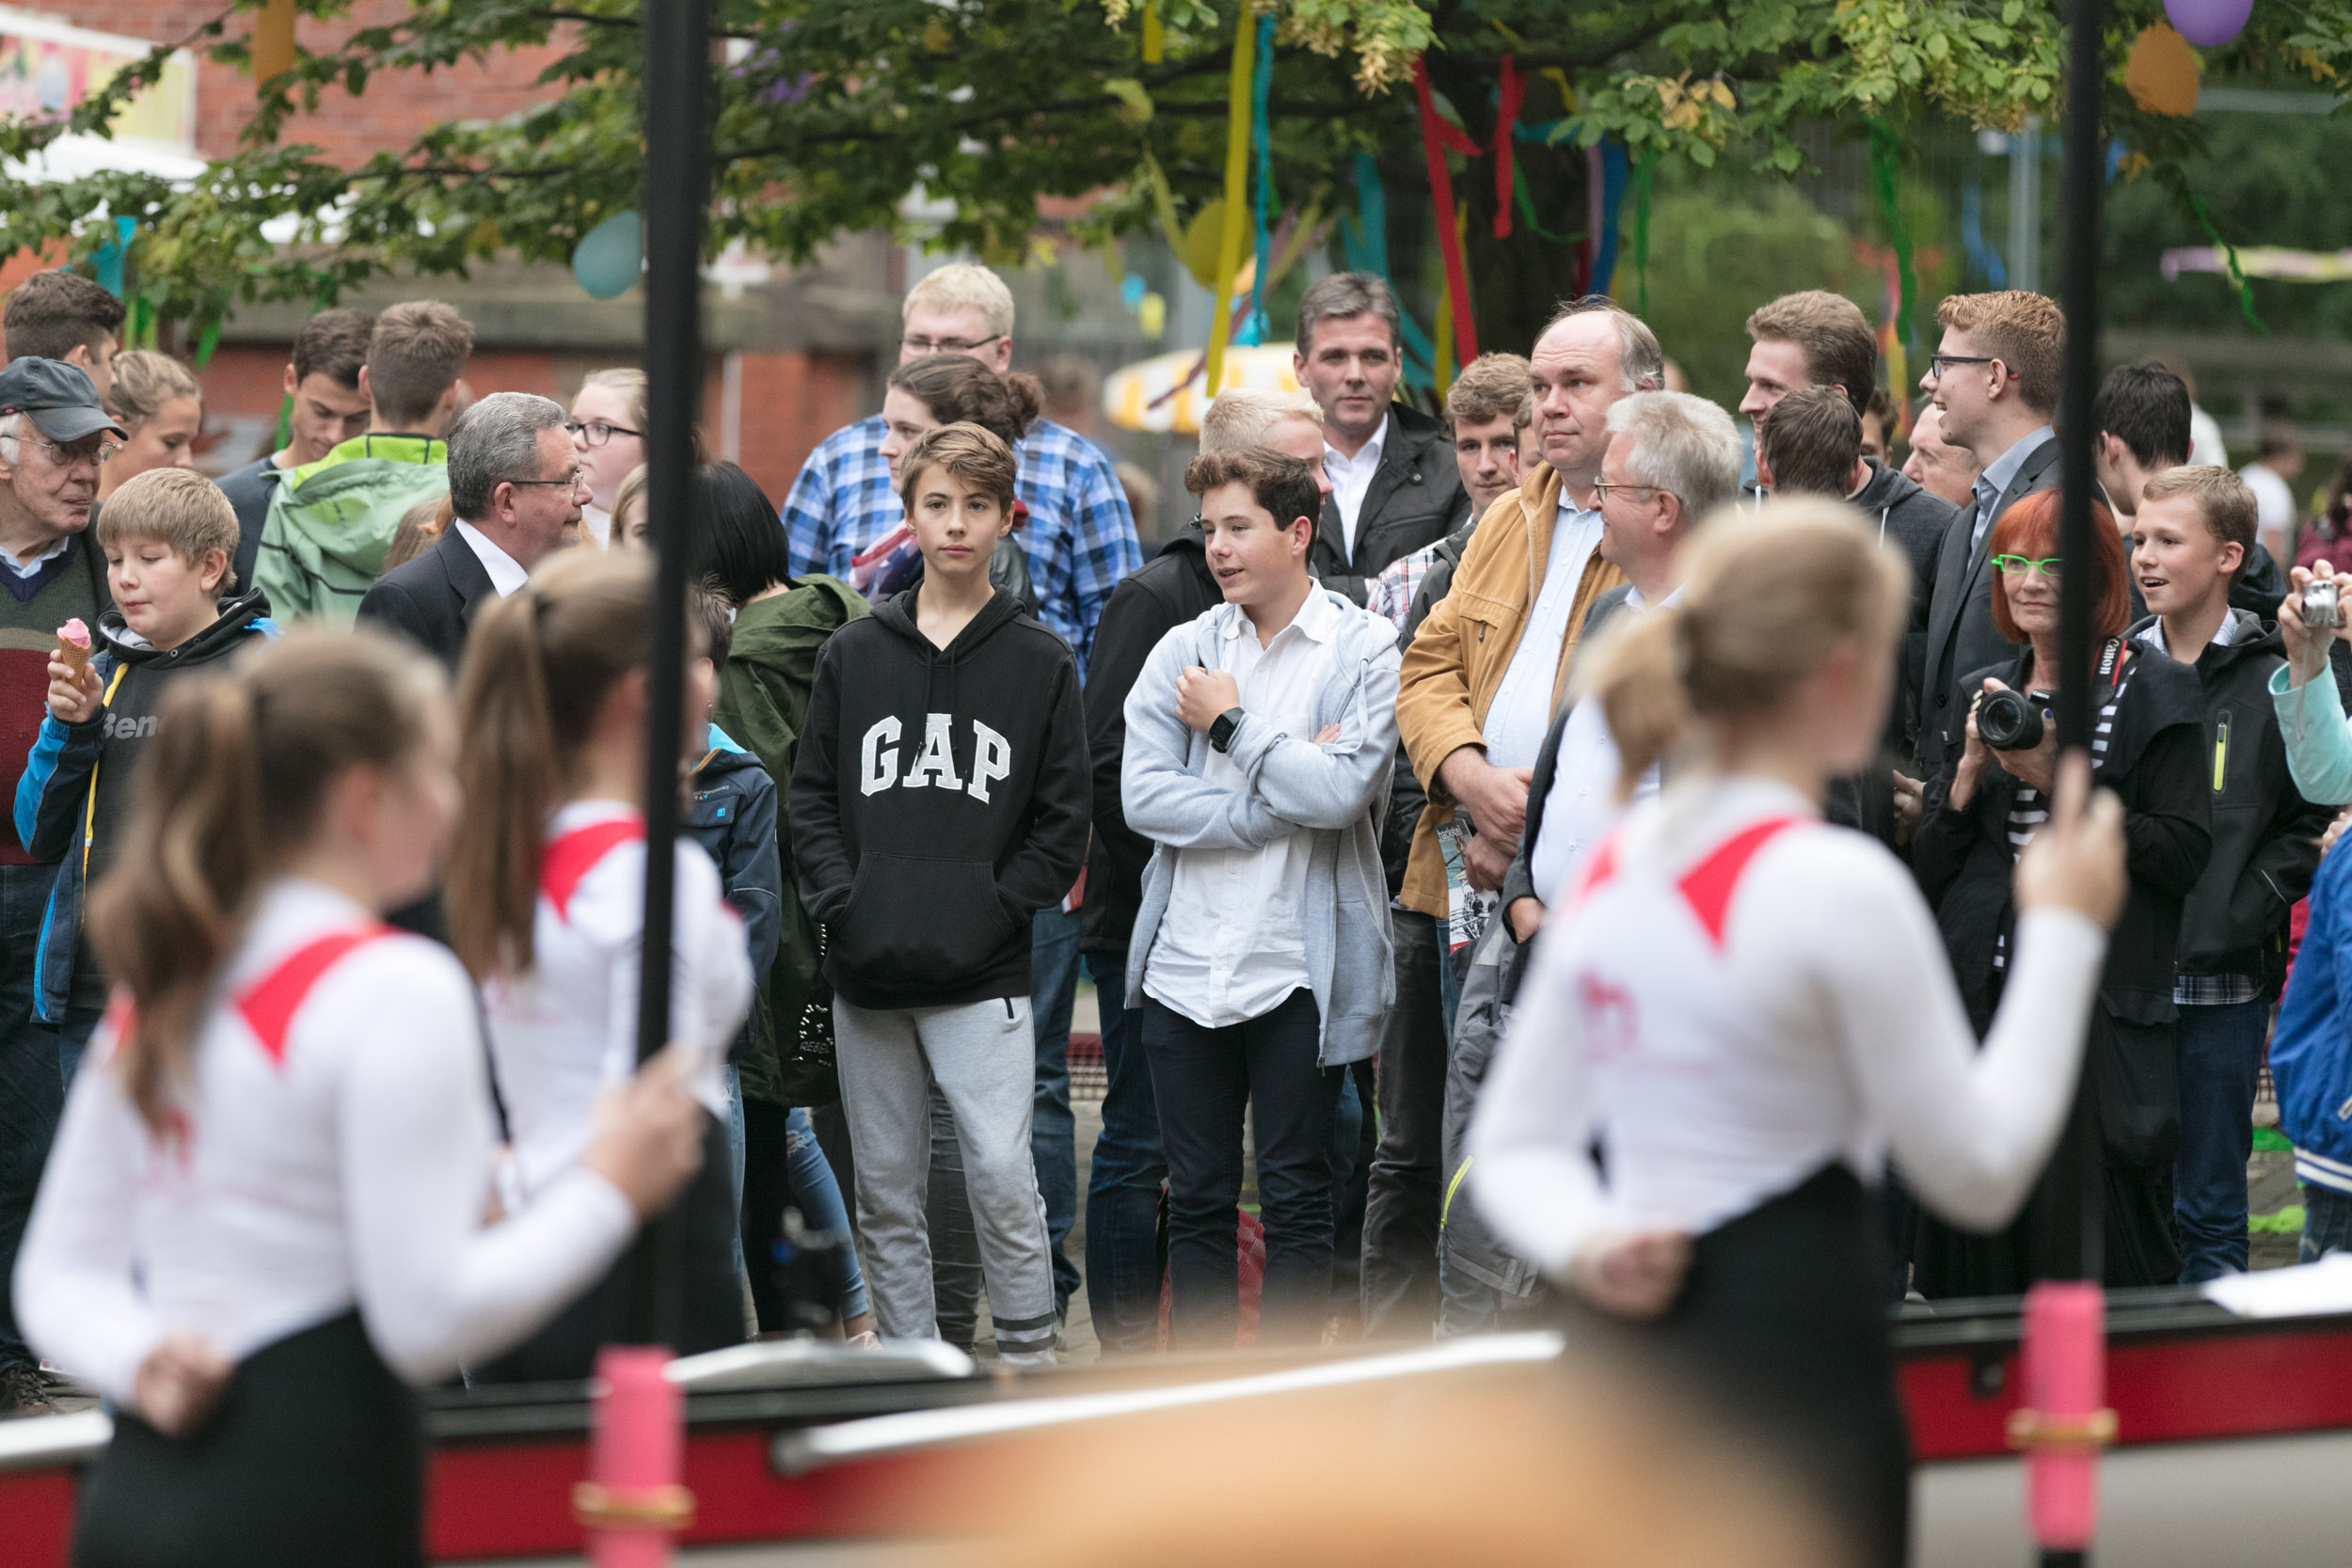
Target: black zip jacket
[[2156, 764], [1415, 498], [2265, 836], [940, 800], [1173, 586], [1912, 522]]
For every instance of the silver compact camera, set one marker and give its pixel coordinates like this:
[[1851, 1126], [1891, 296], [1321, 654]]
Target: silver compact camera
[[2321, 607]]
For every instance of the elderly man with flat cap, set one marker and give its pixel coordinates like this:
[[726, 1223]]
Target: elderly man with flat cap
[[53, 437]]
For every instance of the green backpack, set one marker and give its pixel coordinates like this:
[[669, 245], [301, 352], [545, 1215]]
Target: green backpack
[[763, 704]]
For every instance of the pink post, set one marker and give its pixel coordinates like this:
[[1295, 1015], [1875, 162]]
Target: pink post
[[2064, 1421], [633, 1502]]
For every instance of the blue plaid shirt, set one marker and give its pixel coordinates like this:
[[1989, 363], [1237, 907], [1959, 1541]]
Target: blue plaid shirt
[[1080, 538]]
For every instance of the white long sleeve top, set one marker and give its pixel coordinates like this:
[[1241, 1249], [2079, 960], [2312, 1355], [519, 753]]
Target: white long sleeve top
[[331, 1147], [566, 1030], [1737, 994]]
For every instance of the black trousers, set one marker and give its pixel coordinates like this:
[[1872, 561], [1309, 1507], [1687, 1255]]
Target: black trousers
[[1402, 1211], [316, 1455], [1781, 1328], [712, 1318], [1204, 1081]]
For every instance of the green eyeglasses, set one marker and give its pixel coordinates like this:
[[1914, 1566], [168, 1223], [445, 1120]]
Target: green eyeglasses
[[2018, 565]]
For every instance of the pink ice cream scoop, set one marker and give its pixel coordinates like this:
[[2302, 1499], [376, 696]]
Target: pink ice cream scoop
[[73, 644]]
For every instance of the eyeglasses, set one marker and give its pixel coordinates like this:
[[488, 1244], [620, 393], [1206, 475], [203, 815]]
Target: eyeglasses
[[1939, 363], [572, 480], [947, 345], [2018, 565], [596, 432], [1602, 488], [66, 457]]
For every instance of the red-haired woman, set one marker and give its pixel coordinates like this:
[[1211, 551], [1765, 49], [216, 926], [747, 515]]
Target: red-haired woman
[[2147, 746]]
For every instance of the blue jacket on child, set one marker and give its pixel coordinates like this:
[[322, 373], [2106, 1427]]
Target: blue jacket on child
[[75, 790], [2311, 1050]]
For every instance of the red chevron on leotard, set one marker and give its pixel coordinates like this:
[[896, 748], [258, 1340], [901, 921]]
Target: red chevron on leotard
[[1708, 886], [567, 859], [270, 1002]]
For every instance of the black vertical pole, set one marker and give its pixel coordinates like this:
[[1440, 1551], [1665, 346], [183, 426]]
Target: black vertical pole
[[676, 77]]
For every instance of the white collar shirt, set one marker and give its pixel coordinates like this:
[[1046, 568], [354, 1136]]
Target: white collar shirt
[[506, 572], [1521, 714], [1351, 478], [1582, 803], [1232, 945], [31, 565]]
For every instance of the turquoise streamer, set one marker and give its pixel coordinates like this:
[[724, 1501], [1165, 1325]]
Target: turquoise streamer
[[1262, 137], [1364, 241]]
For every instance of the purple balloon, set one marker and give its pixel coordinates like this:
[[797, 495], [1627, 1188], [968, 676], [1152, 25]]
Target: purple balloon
[[2209, 24]]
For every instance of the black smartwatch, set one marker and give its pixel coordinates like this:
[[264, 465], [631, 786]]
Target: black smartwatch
[[1221, 728]]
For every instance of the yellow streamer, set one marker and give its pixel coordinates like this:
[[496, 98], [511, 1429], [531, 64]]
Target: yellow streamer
[[1151, 46], [273, 42], [1442, 348], [1236, 199]]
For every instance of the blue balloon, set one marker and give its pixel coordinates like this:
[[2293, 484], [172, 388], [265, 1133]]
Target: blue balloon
[[607, 256], [2208, 23]]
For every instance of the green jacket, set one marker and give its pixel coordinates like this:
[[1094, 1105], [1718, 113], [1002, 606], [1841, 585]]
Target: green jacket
[[330, 522], [763, 702]]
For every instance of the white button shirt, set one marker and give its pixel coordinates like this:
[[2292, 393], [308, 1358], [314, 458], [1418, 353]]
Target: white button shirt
[[1351, 479], [1582, 804], [506, 572], [1232, 946], [1520, 715]]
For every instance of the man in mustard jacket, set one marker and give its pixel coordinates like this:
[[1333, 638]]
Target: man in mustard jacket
[[1476, 695]]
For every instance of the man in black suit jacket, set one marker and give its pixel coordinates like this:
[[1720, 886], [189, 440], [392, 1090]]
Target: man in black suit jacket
[[1349, 357], [518, 487], [1994, 379]]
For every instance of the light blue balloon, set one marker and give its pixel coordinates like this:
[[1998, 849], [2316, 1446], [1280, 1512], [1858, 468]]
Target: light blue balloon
[[607, 258]]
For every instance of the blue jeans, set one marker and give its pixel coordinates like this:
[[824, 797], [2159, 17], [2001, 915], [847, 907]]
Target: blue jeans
[[2220, 1050], [31, 1091], [1053, 1129], [2327, 1223], [1126, 1240], [818, 1196]]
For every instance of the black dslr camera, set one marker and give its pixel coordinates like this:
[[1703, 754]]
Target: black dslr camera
[[2012, 720]]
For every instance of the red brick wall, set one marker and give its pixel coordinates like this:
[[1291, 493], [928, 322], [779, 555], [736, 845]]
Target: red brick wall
[[389, 115], [788, 403]]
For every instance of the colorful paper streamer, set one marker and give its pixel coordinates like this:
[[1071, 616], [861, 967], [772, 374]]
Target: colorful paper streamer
[[1436, 137], [1238, 102]]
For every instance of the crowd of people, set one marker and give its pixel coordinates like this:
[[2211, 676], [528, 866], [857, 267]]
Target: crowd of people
[[1756, 724]]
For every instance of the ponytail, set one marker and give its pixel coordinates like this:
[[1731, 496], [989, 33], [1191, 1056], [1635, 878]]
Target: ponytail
[[538, 667], [1767, 599], [232, 785]]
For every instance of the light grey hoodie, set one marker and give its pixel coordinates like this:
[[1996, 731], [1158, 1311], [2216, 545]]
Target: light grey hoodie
[[1334, 793]]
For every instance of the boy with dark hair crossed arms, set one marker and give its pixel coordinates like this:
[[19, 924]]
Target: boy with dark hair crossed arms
[[2192, 535], [167, 536], [1260, 736], [940, 800]]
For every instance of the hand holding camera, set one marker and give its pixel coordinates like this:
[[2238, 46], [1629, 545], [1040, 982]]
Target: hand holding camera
[[2310, 619]]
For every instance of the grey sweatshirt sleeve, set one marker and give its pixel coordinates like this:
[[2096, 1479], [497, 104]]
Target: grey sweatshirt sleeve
[[1332, 785], [1163, 798]]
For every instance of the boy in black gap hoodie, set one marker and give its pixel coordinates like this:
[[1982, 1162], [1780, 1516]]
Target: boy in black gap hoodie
[[939, 800], [2194, 531], [168, 535]]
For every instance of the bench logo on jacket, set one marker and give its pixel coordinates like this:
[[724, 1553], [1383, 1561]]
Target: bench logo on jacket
[[935, 764]]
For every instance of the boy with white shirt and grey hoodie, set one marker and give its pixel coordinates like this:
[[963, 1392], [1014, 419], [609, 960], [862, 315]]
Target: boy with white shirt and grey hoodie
[[1260, 737]]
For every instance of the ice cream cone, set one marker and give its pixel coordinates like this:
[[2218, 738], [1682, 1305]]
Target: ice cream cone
[[73, 647]]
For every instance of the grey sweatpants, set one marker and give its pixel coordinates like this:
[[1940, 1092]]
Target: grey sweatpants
[[983, 1059]]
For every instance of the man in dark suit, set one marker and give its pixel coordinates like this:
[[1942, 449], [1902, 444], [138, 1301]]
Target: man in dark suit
[[1395, 485], [517, 488], [1995, 381]]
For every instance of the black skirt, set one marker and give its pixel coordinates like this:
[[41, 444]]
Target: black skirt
[[566, 1350], [1781, 1329], [316, 1455]]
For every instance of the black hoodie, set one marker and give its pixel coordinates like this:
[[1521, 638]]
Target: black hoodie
[[940, 800]]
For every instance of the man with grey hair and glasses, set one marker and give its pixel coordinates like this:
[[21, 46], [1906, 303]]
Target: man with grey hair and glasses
[[517, 487], [1392, 486], [1478, 687], [53, 434]]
